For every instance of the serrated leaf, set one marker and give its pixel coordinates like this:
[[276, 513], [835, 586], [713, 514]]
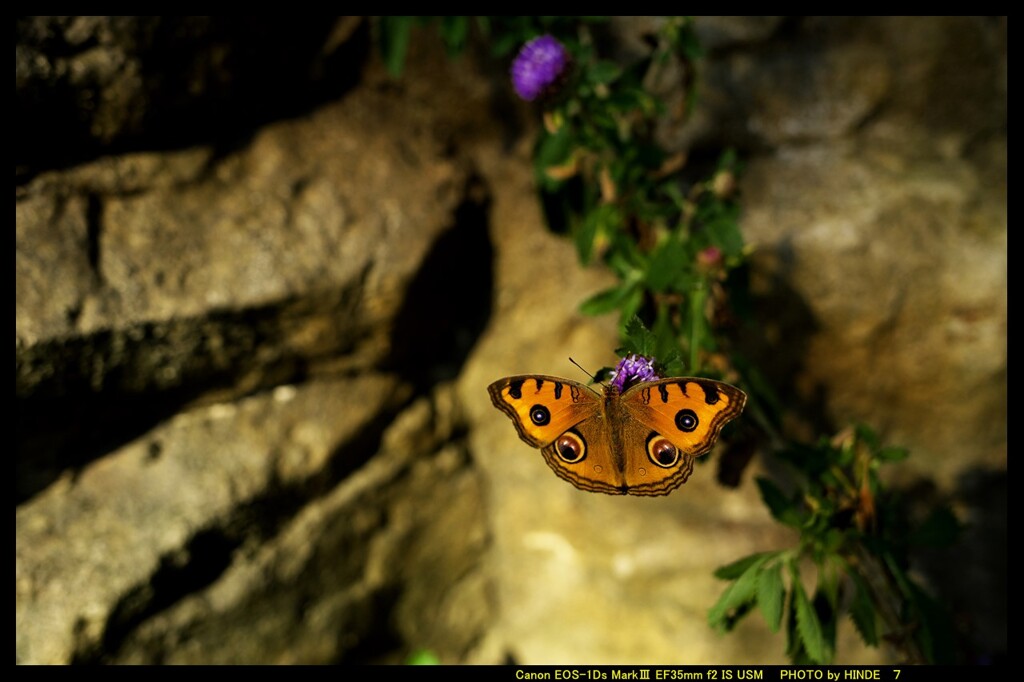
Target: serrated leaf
[[741, 594], [808, 626], [862, 610], [793, 647], [635, 328], [830, 580], [638, 338], [770, 595], [741, 566]]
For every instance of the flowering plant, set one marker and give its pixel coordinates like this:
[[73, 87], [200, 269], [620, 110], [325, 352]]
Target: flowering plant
[[633, 369], [669, 230]]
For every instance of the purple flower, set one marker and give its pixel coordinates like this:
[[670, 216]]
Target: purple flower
[[633, 369], [538, 66]]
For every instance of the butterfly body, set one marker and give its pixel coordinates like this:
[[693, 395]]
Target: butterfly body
[[642, 441]]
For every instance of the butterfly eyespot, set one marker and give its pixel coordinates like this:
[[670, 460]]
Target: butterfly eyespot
[[686, 420], [540, 415], [570, 448], [661, 452]]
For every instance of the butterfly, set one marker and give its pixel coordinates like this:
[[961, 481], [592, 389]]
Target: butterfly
[[642, 441]]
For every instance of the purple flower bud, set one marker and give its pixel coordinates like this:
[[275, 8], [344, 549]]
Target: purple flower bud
[[712, 255], [538, 66], [633, 369]]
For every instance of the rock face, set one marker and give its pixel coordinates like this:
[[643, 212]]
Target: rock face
[[255, 322]]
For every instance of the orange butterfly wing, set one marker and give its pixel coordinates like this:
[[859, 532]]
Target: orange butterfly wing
[[667, 424], [542, 407], [689, 412], [567, 421]]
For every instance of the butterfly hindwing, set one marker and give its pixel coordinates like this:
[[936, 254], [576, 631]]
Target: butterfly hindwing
[[584, 456]]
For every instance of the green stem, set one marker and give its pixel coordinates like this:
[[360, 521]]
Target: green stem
[[697, 299]]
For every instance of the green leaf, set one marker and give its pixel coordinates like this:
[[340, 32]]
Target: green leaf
[[867, 435], [741, 566], [585, 236], [504, 43], [935, 634], [808, 625], [834, 539], [631, 306], [696, 326], [454, 30], [673, 364], [862, 610], [552, 150], [603, 71], [781, 507], [728, 161], [770, 595], [722, 228], [737, 598], [665, 264], [674, 193], [679, 30], [394, 41], [607, 300], [666, 345], [597, 230], [638, 338]]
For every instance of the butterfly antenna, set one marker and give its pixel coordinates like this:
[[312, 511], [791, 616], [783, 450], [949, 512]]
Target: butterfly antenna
[[592, 377]]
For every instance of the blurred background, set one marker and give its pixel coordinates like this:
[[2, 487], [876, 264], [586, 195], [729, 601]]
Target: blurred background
[[262, 285]]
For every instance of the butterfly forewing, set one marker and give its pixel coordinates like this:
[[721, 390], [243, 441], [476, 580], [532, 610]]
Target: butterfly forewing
[[541, 407]]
